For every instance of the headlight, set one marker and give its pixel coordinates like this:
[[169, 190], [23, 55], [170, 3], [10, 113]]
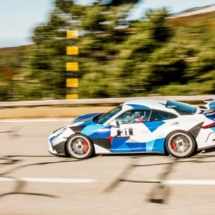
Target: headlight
[[58, 129], [60, 132]]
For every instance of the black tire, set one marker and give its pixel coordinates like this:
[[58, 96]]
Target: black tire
[[79, 146], [180, 144]]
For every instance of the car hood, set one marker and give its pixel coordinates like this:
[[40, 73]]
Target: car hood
[[85, 117], [80, 121], [86, 121]]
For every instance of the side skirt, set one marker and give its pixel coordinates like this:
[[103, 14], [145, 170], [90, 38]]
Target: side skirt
[[204, 148], [127, 153]]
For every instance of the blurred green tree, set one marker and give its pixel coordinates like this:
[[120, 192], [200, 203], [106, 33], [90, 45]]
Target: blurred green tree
[[101, 25], [118, 57], [48, 56], [106, 28]]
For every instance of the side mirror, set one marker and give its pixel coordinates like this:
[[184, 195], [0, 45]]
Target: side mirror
[[113, 124]]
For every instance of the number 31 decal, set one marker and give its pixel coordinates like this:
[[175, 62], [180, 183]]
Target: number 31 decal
[[125, 132]]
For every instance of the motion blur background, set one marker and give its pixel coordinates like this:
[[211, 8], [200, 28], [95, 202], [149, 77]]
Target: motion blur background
[[126, 48]]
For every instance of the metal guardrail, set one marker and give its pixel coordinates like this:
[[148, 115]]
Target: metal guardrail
[[100, 101]]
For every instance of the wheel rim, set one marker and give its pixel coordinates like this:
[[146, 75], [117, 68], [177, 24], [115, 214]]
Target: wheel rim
[[79, 147], [180, 144]]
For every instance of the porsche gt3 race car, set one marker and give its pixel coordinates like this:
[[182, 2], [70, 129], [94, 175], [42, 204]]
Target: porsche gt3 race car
[[138, 126]]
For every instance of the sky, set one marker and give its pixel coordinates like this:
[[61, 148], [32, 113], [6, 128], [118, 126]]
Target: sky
[[19, 18]]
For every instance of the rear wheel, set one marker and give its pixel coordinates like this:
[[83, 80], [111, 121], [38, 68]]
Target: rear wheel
[[79, 146], [180, 144]]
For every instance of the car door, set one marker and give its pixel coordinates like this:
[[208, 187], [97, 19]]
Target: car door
[[155, 125], [130, 134]]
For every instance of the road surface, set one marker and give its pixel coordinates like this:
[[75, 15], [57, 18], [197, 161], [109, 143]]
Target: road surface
[[33, 182]]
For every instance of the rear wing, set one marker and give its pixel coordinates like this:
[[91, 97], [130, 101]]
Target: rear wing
[[208, 100], [210, 104], [209, 108]]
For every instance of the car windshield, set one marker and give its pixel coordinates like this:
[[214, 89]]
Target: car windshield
[[181, 107], [106, 116]]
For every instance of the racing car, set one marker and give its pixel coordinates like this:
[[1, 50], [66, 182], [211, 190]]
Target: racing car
[[144, 125]]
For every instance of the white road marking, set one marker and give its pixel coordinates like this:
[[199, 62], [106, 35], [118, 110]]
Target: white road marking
[[81, 181], [184, 182], [49, 180], [37, 120], [190, 182]]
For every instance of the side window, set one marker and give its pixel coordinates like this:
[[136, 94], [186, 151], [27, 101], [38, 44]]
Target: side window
[[161, 115], [134, 116]]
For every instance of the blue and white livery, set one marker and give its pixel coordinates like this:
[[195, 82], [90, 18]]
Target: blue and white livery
[[139, 126]]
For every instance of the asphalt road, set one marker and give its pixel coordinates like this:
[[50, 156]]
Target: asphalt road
[[33, 182]]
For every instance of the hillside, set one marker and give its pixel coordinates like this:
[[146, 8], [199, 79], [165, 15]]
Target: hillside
[[11, 49], [195, 11], [194, 15]]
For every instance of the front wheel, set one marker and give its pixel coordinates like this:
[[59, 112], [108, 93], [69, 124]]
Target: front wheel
[[180, 144], [79, 146]]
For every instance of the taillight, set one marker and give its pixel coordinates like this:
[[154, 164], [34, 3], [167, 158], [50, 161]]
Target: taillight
[[209, 126]]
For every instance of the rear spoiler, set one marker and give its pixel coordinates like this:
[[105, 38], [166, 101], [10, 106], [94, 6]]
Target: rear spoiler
[[210, 104], [208, 101], [209, 108], [208, 111]]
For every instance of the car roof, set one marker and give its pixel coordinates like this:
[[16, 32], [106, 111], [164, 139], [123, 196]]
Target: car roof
[[151, 103]]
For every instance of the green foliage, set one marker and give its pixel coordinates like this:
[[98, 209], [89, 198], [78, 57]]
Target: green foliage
[[117, 58], [11, 64]]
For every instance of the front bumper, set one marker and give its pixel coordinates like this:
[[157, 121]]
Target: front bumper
[[51, 149], [56, 145]]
